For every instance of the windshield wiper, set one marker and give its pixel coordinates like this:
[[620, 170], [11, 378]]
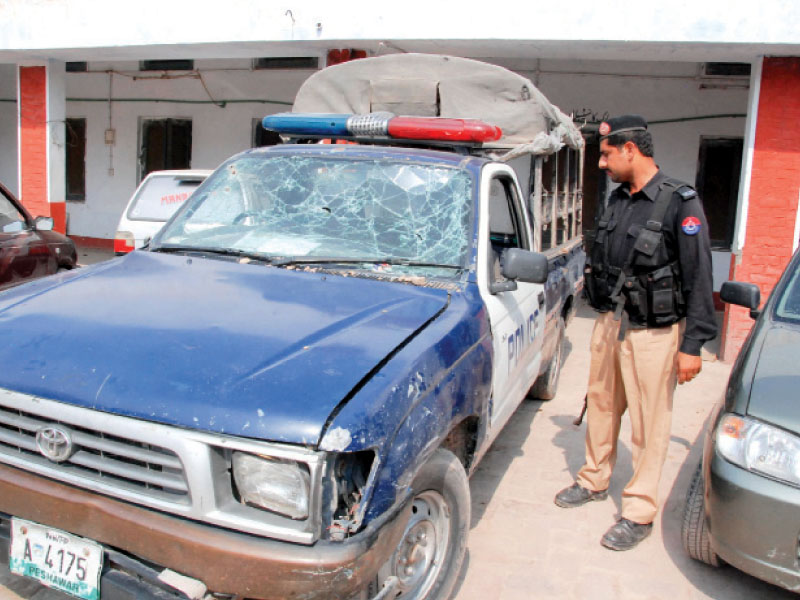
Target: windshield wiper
[[235, 252], [389, 260]]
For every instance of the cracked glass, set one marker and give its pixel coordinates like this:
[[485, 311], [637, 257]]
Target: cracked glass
[[308, 207]]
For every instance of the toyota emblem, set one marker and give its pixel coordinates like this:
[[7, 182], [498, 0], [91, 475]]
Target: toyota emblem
[[55, 443]]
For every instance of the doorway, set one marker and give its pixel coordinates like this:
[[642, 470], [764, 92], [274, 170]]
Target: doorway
[[165, 144]]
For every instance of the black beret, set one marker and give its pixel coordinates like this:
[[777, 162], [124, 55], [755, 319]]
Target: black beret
[[621, 124]]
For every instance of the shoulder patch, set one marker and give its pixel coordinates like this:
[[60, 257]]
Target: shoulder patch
[[691, 225], [686, 192]]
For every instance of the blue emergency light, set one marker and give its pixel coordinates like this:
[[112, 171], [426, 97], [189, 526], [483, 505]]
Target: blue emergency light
[[308, 124]]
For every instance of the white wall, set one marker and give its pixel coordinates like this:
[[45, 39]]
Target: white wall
[[74, 24], [657, 90], [8, 127], [217, 133]]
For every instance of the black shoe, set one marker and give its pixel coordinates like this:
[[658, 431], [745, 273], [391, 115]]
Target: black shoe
[[577, 495], [625, 534]]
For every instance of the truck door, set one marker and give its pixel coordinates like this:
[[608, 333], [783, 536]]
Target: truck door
[[516, 316]]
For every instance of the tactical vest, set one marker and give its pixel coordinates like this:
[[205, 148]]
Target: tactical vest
[[648, 285]]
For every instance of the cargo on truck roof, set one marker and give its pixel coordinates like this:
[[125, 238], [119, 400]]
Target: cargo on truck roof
[[428, 85]]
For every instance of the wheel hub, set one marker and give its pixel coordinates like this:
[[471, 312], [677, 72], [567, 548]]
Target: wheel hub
[[420, 555]]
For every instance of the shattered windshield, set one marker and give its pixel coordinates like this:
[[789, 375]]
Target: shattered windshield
[[301, 208]]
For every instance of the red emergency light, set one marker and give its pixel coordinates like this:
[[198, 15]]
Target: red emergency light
[[436, 128]]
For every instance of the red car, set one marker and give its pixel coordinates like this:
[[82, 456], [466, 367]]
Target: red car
[[29, 248]]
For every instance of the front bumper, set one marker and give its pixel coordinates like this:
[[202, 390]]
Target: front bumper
[[754, 523], [227, 562]]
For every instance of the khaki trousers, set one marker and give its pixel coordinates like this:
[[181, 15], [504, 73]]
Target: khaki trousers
[[638, 374]]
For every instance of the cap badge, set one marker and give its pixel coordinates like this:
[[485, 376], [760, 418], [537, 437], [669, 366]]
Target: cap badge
[[605, 128]]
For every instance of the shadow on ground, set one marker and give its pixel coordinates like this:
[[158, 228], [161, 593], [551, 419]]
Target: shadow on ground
[[493, 466]]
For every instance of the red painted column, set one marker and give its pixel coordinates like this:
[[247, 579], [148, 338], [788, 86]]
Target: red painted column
[[36, 187], [774, 192]]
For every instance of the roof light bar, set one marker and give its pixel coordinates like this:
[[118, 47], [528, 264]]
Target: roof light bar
[[382, 124]]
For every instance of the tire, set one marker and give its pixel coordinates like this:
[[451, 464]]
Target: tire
[[546, 385], [694, 534], [428, 558]]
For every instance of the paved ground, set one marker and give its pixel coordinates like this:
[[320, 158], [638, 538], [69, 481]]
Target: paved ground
[[523, 547], [89, 256]]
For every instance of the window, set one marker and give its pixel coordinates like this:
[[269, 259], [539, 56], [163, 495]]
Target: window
[[264, 137], [726, 69], [11, 220], [719, 166], [505, 229], [296, 206], [787, 308], [76, 67], [166, 65], [165, 144], [76, 159], [286, 62]]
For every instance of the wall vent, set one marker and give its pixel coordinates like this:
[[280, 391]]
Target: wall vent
[[726, 69], [286, 62]]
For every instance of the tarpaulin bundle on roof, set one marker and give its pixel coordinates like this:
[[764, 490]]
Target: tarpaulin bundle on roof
[[443, 86]]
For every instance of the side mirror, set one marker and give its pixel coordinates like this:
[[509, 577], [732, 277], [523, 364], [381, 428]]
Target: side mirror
[[44, 223], [524, 265], [743, 294]]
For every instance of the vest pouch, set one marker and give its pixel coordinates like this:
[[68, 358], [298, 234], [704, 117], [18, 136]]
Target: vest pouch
[[662, 294], [597, 290], [647, 248], [647, 242]]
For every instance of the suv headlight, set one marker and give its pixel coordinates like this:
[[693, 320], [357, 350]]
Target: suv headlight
[[281, 486], [759, 447]]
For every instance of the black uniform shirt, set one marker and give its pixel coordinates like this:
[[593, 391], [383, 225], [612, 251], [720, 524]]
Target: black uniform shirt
[[685, 231]]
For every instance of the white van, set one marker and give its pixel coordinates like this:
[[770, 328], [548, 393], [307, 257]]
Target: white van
[[152, 204]]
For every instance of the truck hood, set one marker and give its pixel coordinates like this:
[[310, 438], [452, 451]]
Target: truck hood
[[240, 349], [773, 396]]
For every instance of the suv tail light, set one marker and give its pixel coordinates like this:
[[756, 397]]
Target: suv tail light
[[124, 242]]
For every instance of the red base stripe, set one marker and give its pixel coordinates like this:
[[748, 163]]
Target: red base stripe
[[93, 242]]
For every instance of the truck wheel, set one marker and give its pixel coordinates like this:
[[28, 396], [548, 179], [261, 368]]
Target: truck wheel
[[545, 386], [693, 532], [428, 559]]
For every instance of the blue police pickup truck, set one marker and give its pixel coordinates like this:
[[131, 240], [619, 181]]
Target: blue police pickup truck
[[282, 396]]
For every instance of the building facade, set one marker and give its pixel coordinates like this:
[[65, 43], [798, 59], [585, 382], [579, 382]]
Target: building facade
[[95, 95]]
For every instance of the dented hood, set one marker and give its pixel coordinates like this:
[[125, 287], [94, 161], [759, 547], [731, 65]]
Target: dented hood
[[240, 349]]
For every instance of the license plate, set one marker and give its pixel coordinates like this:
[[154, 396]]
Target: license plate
[[57, 559]]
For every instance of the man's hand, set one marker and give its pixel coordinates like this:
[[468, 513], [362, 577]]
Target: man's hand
[[688, 367]]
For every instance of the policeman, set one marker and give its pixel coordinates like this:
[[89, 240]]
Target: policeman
[[649, 277]]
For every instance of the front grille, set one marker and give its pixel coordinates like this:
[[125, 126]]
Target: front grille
[[115, 461], [176, 470]]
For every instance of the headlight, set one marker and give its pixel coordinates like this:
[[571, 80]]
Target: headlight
[[759, 447], [276, 485]]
